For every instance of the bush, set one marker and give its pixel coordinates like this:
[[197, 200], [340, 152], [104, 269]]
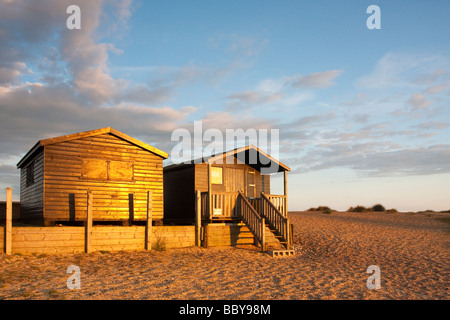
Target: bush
[[378, 208], [323, 209], [358, 209]]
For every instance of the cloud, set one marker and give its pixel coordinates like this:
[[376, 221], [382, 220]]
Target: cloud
[[376, 158], [31, 112], [9, 178], [315, 80], [418, 101], [239, 45], [251, 98], [281, 91], [437, 88], [396, 70]]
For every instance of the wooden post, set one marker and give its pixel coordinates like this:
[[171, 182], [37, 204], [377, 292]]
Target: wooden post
[[285, 193], [206, 240], [198, 217], [8, 226], [88, 226], [263, 234], [210, 205], [288, 235], [148, 225]]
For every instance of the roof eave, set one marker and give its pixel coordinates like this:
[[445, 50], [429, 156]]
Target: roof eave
[[29, 154]]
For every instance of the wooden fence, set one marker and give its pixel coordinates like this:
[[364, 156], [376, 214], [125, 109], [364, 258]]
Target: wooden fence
[[89, 238]]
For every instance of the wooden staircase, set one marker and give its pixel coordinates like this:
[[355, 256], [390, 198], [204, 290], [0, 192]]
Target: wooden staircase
[[269, 226]]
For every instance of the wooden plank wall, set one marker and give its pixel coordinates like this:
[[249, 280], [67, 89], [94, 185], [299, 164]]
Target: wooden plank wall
[[32, 196], [55, 240], [65, 188], [230, 182], [227, 235], [27, 240]]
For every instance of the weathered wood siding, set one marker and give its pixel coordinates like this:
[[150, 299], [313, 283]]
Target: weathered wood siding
[[227, 235], [51, 240], [32, 196], [234, 179], [65, 186], [179, 194]]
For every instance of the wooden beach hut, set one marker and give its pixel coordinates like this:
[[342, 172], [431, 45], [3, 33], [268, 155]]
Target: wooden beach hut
[[56, 174], [230, 187]]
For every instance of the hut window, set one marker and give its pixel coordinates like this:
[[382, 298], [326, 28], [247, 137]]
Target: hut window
[[216, 175], [94, 169], [30, 174]]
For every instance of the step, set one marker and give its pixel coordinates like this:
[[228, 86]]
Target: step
[[281, 253]]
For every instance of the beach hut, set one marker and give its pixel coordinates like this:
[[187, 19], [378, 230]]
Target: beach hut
[[228, 187], [56, 174]]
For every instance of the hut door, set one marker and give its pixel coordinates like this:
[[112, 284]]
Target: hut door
[[234, 180], [251, 186]]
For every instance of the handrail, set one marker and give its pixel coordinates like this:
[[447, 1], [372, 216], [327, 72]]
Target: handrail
[[279, 201], [255, 223], [275, 219]]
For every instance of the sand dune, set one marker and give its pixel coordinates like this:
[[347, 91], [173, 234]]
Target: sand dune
[[333, 253]]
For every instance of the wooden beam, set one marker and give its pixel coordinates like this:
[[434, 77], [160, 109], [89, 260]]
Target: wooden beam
[[285, 193], [8, 225], [210, 205], [198, 217], [263, 235], [148, 225], [88, 226]]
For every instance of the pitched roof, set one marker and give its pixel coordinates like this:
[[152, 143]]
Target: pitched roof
[[250, 155], [91, 133]]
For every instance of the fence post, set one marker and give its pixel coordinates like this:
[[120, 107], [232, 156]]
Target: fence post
[[88, 226], [198, 217], [288, 235], [8, 225], [148, 225], [263, 234]]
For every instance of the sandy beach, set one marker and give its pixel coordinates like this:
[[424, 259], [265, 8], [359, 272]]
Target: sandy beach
[[333, 252]]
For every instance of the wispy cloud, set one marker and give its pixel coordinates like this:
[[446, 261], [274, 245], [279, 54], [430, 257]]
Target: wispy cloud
[[395, 70], [418, 101], [315, 80], [285, 91]]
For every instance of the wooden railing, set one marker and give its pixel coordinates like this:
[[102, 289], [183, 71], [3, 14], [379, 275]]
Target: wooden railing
[[279, 202], [252, 219], [223, 205], [255, 202], [275, 219]]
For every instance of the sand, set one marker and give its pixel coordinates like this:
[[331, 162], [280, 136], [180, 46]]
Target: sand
[[333, 252]]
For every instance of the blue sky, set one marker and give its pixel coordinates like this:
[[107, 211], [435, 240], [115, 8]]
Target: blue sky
[[363, 115]]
